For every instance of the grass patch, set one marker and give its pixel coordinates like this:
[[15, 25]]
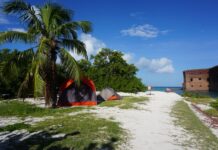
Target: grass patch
[[125, 103], [23, 109], [214, 104], [212, 112], [200, 100], [201, 137], [83, 132], [195, 95], [17, 126]]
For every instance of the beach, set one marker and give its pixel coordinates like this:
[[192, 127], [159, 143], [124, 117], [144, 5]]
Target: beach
[[150, 126]]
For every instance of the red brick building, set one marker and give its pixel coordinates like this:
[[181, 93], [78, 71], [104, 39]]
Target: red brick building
[[201, 79]]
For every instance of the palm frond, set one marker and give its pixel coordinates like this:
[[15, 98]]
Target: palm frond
[[2, 66], [22, 91], [70, 65], [39, 84], [26, 12], [76, 46], [43, 46], [26, 53], [67, 30], [54, 15], [32, 75], [10, 36], [71, 27], [86, 26], [15, 6]]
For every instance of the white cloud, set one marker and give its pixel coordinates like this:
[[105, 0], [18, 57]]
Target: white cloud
[[128, 57], [17, 29], [146, 30], [37, 12], [161, 65], [93, 45]]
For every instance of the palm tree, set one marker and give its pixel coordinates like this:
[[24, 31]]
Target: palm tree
[[51, 28]]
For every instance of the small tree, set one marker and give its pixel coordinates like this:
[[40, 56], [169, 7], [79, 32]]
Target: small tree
[[109, 69]]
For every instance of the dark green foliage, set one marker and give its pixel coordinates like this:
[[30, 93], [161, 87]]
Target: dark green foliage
[[109, 69], [14, 72]]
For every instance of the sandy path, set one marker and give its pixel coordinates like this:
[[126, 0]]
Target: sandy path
[[151, 128]]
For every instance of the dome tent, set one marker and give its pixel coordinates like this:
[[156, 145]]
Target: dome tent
[[109, 94], [78, 95]]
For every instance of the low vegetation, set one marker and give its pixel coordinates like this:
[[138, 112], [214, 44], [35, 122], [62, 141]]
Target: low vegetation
[[81, 132], [201, 137], [200, 100], [125, 103], [16, 126], [195, 95], [23, 109], [214, 104], [212, 112]]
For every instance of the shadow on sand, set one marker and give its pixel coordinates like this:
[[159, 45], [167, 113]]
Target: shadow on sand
[[45, 140]]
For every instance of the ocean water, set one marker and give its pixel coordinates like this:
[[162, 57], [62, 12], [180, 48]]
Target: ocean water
[[180, 91]]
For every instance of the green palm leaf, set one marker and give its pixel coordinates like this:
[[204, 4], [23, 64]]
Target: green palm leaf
[[76, 46], [25, 11], [39, 84], [70, 65], [10, 36]]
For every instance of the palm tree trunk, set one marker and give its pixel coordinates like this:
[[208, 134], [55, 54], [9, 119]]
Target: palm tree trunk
[[53, 78], [47, 94]]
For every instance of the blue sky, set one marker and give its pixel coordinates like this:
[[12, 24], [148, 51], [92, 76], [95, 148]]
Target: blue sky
[[162, 38]]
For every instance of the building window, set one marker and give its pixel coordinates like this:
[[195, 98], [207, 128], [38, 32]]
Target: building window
[[191, 79], [199, 78], [192, 86], [200, 86]]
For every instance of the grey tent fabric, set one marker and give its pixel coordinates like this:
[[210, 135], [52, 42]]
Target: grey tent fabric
[[107, 93], [75, 95]]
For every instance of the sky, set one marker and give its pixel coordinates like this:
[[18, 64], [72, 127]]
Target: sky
[[161, 37]]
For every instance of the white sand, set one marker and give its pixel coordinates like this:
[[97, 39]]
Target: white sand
[[151, 128]]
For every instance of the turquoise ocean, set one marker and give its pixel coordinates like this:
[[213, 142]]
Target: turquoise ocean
[[180, 91]]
